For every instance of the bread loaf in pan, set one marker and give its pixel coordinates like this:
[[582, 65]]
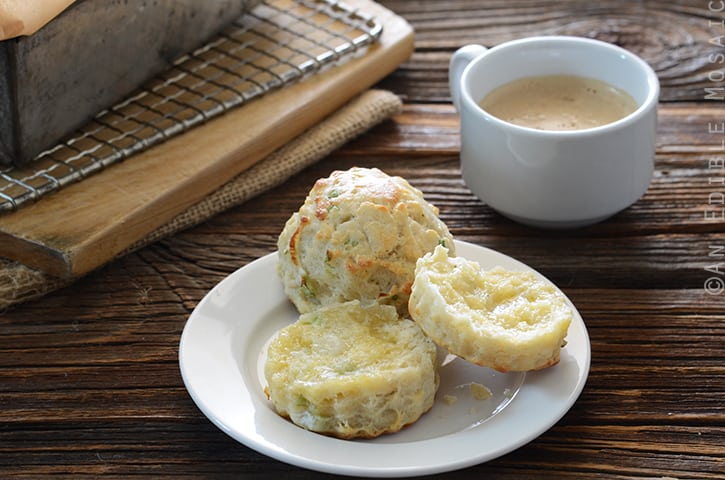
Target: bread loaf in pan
[[90, 57]]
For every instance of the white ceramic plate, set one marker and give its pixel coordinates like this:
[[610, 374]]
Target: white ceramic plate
[[222, 354]]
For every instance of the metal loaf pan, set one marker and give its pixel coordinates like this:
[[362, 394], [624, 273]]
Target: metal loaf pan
[[90, 57]]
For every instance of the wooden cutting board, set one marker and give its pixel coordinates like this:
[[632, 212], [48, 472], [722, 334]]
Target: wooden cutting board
[[87, 224]]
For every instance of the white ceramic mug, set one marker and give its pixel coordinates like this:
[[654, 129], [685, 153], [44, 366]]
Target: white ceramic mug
[[546, 178]]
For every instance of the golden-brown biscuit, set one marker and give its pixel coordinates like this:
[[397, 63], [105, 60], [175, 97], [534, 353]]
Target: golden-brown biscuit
[[357, 237]]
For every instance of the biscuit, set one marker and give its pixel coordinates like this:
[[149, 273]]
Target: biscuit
[[352, 371], [505, 320], [357, 237]]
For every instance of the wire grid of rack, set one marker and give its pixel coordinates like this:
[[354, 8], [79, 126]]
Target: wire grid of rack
[[275, 44]]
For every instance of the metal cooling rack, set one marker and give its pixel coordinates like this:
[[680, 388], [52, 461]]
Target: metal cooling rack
[[275, 44]]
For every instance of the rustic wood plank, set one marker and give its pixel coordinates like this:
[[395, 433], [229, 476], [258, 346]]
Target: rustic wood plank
[[683, 128], [192, 449], [676, 38]]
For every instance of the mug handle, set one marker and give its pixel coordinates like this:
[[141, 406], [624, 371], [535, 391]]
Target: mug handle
[[459, 61]]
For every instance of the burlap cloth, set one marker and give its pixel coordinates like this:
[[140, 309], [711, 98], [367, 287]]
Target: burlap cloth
[[18, 283]]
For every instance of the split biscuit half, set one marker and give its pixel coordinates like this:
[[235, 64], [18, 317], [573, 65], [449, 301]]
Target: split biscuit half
[[352, 371], [497, 318]]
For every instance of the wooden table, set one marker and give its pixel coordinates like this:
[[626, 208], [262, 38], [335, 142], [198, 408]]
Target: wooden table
[[89, 376]]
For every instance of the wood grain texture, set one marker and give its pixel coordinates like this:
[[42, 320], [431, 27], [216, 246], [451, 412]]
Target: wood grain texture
[[89, 379], [679, 39]]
